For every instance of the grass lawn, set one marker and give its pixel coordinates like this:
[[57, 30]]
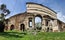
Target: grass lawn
[[11, 35]]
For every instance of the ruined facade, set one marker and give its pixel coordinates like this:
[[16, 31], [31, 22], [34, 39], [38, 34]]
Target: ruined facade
[[49, 21]]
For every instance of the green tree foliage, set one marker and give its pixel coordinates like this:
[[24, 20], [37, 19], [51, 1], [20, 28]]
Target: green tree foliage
[[3, 13], [38, 25]]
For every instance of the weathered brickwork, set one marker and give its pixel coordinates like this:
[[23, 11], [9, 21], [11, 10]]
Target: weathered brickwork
[[21, 20]]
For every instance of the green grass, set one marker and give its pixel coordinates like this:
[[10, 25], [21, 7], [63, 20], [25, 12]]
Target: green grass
[[11, 35]]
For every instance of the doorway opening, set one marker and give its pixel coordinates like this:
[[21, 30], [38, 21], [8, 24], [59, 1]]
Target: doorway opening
[[22, 27], [12, 27]]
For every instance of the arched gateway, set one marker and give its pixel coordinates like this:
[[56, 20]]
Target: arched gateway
[[38, 22], [48, 17]]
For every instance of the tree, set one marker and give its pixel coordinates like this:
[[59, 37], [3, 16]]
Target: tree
[[38, 25], [3, 13]]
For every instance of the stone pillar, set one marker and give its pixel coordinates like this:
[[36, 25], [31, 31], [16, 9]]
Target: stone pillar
[[43, 24], [33, 22], [8, 25], [27, 24], [55, 26], [50, 25]]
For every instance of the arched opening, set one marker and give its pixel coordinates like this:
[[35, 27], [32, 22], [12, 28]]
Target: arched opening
[[22, 27], [38, 22], [12, 27], [30, 22], [50, 25], [63, 26]]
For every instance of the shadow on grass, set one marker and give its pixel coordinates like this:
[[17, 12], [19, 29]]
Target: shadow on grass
[[12, 34]]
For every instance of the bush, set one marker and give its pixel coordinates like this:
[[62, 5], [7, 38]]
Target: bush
[[39, 28]]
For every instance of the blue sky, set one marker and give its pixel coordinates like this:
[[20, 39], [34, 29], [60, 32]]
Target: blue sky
[[18, 6]]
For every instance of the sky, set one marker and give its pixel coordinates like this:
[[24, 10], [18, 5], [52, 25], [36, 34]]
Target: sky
[[19, 6]]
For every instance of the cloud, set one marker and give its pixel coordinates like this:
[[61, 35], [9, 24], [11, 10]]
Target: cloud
[[60, 16]]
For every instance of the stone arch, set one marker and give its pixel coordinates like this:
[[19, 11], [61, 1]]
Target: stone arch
[[40, 22], [38, 15], [12, 27]]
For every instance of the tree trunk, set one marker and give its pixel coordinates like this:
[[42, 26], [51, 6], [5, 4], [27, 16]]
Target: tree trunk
[[2, 27]]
